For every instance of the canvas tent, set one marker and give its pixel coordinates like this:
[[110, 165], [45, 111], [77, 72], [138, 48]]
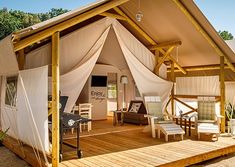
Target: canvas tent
[[87, 37], [76, 66]]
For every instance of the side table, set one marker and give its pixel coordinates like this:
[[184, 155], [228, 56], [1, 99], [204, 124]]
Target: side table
[[115, 117]]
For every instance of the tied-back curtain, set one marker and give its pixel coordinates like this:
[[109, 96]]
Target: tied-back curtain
[[71, 83], [146, 81]]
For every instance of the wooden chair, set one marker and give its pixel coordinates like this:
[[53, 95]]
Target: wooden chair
[[84, 110], [160, 121], [207, 121]]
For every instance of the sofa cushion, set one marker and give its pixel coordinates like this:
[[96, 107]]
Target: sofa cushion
[[135, 107]]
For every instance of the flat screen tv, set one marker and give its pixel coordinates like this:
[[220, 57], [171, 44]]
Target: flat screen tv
[[98, 81]]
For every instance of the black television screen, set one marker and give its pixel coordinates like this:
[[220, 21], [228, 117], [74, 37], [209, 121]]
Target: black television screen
[[98, 81]]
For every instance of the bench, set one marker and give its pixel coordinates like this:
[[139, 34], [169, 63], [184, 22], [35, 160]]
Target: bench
[[170, 129]]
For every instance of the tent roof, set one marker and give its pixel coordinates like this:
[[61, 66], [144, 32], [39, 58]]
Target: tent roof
[[163, 21]]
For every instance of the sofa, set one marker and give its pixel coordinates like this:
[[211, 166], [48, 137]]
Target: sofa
[[135, 113]]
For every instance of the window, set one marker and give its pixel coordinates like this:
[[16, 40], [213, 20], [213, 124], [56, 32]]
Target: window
[[11, 89], [112, 91]]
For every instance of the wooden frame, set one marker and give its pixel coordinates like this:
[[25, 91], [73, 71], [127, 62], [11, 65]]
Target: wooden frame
[[147, 37], [66, 24]]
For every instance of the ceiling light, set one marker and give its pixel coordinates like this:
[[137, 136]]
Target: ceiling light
[[139, 15]]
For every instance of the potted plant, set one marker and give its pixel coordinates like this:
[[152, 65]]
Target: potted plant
[[230, 113], [2, 136]]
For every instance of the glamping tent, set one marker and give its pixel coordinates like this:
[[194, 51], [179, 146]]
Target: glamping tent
[[127, 57], [173, 39]]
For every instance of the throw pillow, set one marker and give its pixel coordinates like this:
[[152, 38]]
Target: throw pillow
[[135, 107]]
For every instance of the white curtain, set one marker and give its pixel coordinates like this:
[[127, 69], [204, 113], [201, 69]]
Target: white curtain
[[138, 49], [73, 47], [32, 107], [146, 81], [8, 62], [71, 83], [230, 92], [205, 85]]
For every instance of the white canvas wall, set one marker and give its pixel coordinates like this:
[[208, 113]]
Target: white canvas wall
[[8, 113], [80, 51], [32, 107], [205, 85], [230, 92], [8, 62]]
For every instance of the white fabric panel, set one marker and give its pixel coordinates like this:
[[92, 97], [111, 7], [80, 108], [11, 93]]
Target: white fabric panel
[[8, 62], [8, 113], [205, 85], [135, 46], [230, 92], [32, 107], [73, 47], [71, 83], [146, 81]]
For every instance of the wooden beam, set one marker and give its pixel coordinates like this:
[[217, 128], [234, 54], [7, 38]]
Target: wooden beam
[[203, 32], [222, 94], [55, 98], [181, 69], [66, 24], [147, 37], [21, 59], [135, 26], [164, 57], [173, 88], [200, 68], [112, 15], [217, 98], [165, 45], [185, 104]]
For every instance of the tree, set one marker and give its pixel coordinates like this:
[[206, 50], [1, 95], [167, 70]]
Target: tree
[[8, 23], [225, 35], [14, 20], [56, 12]]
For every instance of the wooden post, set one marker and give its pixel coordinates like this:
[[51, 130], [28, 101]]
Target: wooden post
[[55, 98], [21, 59], [222, 94], [156, 70], [173, 88]]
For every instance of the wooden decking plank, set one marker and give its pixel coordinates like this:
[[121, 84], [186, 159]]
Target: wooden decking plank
[[108, 145], [67, 163], [105, 161], [77, 163], [117, 160], [163, 153], [146, 158], [137, 162], [87, 162]]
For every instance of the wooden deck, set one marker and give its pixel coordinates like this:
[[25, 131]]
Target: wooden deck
[[135, 148], [129, 146]]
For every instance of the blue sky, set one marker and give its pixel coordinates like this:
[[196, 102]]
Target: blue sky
[[221, 13]]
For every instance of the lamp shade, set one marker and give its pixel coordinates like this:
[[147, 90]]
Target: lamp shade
[[124, 79]]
